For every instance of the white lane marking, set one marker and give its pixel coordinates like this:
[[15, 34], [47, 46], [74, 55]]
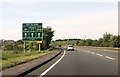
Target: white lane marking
[[92, 53], [53, 65], [99, 55], [87, 51], [106, 50], [110, 58], [82, 50]]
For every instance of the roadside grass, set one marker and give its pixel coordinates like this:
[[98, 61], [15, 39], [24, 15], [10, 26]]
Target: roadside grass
[[10, 59], [108, 48]]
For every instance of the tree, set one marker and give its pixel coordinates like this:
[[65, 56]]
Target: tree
[[47, 37], [89, 42], [82, 42], [106, 39], [8, 47], [118, 43], [115, 41], [100, 42], [19, 42], [18, 49], [95, 43]]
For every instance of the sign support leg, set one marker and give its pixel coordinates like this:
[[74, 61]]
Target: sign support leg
[[24, 47], [39, 47]]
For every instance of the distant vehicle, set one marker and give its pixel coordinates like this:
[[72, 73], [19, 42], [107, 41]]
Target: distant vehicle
[[70, 47]]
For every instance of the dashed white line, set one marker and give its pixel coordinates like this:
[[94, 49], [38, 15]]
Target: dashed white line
[[92, 53], [99, 55], [52, 65], [109, 58], [88, 51], [81, 50]]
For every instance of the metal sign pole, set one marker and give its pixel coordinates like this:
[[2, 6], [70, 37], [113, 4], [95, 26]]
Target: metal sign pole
[[24, 47], [39, 47]]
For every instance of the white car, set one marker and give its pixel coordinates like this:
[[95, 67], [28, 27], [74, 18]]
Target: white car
[[70, 47]]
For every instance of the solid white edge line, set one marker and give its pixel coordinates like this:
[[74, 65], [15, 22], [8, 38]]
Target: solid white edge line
[[110, 58], [53, 65]]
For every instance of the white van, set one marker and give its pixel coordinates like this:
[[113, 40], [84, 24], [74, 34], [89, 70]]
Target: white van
[[70, 47]]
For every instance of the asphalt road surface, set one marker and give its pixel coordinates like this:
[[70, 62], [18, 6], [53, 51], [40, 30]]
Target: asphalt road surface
[[82, 61]]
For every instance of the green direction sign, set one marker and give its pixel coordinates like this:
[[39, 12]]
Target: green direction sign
[[32, 32]]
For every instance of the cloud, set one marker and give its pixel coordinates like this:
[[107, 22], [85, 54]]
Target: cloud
[[93, 25], [73, 20]]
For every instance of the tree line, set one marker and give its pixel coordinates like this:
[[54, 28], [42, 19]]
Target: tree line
[[108, 40]]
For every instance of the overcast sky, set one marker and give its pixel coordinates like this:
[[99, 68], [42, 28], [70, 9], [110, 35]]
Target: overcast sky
[[73, 19]]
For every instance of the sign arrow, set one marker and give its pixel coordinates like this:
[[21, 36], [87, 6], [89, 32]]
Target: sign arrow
[[25, 34], [38, 34], [32, 34]]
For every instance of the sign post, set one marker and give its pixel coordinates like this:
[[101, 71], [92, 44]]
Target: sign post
[[39, 42], [24, 47], [39, 47], [32, 32]]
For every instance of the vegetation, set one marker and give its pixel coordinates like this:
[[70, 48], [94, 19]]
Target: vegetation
[[108, 40], [10, 58], [47, 37], [18, 46], [13, 53]]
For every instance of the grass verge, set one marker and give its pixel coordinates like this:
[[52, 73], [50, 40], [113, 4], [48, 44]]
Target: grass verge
[[10, 59], [108, 48]]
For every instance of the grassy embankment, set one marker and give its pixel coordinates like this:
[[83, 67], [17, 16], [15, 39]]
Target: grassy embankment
[[10, 59], [105, 48], [73, 42]]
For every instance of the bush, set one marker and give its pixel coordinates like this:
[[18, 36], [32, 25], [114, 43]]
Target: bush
[[8, 47], [18, 49]]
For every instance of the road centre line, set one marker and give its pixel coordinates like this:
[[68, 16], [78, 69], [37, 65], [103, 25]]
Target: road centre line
[[80, 50], [109, 58], [92, 53], [108, 50], [53, 65], [99, 55], [87, 51]]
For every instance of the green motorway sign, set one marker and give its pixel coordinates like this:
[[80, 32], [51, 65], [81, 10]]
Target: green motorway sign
[[32, 32]]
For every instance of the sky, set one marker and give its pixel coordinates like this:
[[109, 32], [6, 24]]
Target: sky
[[70, 19]]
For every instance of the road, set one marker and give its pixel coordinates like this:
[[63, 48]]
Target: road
[[82, 61]]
